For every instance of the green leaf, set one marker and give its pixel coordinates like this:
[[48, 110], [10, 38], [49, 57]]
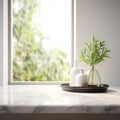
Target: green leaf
[[94, 52]]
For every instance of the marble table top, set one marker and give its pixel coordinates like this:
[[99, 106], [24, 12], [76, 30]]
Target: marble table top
[[52, 99]]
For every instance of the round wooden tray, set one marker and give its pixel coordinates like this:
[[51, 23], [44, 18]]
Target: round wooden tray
[[88, 89]]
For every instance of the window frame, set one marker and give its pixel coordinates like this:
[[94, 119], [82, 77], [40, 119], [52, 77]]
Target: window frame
[[10, 82]]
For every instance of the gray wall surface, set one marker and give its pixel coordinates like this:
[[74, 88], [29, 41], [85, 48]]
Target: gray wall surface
[[1, 41], [101, 18]]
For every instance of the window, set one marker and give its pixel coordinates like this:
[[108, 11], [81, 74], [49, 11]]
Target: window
[[41, 37]]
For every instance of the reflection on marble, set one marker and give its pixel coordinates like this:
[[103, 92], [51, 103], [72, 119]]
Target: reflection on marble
[[52, 99]]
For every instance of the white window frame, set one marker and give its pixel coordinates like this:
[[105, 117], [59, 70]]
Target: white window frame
[[10, 82]]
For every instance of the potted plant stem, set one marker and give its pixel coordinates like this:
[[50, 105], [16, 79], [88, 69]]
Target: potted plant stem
[[94, 53]]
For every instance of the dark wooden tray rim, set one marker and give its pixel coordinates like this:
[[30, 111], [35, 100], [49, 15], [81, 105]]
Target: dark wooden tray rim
[[88, 89]]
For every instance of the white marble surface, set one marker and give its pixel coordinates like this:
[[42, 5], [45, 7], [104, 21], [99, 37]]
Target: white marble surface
[[52, 99]]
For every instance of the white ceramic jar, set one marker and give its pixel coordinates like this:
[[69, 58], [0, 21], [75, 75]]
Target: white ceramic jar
[[81, 79], [74, 71]]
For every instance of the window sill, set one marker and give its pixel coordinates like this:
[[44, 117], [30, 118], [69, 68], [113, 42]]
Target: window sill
[[36, 82], [51, 99]]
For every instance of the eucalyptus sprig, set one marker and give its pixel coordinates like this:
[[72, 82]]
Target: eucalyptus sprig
[[94, 52]]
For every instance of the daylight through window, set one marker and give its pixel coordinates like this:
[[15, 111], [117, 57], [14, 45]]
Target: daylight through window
[[41, 40]]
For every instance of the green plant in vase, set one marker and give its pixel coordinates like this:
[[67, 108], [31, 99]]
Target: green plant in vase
[[94, 53]]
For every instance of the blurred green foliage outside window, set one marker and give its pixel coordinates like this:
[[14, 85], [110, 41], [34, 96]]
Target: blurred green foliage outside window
[[31, 60]]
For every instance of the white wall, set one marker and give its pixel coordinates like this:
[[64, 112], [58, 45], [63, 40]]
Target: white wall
[[3, 42], [102, 19]]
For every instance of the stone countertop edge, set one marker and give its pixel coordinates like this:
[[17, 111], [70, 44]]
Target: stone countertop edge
[[52, 99]]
